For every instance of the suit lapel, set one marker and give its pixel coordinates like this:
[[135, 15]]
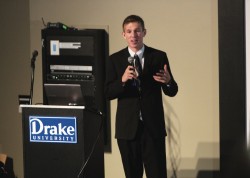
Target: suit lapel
[[124, 56], [147, 59]]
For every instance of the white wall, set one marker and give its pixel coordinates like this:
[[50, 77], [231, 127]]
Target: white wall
[[14, 75], [188, 32]]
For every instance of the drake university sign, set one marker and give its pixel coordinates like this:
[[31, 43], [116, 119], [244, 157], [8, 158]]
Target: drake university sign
[[53, 129]]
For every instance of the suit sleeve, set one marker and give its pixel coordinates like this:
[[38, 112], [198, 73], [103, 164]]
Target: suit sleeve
[[113, 84], [171, 88]]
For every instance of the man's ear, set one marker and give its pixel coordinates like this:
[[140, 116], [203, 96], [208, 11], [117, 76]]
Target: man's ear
[[145, 32], [123, 34]]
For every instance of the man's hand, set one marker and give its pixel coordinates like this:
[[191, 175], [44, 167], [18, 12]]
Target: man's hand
[[128, 74], [162, 76]]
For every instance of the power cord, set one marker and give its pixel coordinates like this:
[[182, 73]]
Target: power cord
[[94, 145]]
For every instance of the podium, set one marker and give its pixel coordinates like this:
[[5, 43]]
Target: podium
[[58, 140]]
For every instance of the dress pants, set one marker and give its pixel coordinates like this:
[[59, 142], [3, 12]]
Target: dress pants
[[143, 152]]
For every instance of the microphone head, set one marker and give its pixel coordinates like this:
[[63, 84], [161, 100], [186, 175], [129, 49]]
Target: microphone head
[[35, 53], [130, 60]]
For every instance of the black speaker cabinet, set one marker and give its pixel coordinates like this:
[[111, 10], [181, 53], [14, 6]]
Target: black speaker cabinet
[[78, 57]]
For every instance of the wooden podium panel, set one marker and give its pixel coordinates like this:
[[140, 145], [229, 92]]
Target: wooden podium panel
[[57, 141]]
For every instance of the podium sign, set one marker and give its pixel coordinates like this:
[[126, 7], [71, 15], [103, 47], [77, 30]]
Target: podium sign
[[52, 129], [57, 140]]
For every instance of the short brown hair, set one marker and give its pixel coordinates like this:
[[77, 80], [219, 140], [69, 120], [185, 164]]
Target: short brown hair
[[133, 18]]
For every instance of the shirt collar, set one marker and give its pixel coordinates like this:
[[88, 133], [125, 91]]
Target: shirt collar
[[139, 53]]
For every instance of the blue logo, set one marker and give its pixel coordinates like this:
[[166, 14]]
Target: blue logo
[[53, 129]]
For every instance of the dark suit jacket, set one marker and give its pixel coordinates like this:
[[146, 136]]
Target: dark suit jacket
[[6, 170], [131, 101]]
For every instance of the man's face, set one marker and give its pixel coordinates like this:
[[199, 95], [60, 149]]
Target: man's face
[[134, 34]]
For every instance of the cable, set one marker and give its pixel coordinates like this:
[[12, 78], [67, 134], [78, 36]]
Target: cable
[[93, 147], [32, 83]]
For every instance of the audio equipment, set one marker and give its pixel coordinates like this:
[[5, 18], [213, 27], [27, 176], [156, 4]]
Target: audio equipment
[[77, 57]]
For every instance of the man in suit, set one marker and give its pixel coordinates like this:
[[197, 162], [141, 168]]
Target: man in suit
[[140, 125]]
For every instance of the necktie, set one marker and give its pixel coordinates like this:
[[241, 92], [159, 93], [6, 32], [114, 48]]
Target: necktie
[[138, 68], [138, 65]]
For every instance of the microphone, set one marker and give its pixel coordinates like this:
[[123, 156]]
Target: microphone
[[33, 59], [34, 55], [131, 61]]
